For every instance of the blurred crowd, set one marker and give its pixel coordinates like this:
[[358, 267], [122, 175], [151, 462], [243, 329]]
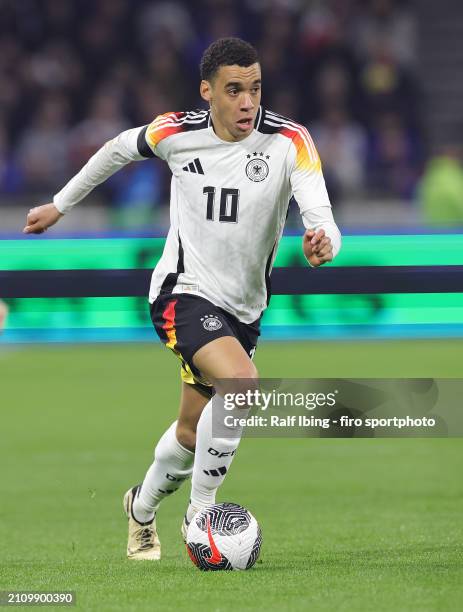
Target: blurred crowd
[[73, 74]]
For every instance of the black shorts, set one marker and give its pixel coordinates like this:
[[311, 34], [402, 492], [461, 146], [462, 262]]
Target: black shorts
[[186, 322]]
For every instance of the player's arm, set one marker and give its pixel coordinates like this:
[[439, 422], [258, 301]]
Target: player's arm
[[322, 239], [129, 146]]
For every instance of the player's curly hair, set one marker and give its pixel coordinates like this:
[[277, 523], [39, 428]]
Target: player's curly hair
[[226, 52]]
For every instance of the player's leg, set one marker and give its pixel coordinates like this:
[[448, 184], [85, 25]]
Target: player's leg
[[223, 358], [172, 465], [212, 345], [173, 456], [191, 406]]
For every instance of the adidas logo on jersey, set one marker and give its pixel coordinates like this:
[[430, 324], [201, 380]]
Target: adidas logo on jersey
[[194, 166]]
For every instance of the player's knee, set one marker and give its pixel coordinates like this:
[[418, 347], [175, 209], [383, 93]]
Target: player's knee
[[246, 372], [186, 437], [242, 380]]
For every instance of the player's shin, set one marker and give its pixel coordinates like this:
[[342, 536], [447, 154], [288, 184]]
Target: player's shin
[[216, 446], [173, 464]]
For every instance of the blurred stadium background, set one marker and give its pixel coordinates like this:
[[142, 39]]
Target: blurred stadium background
[[378, 84], [374, 81]]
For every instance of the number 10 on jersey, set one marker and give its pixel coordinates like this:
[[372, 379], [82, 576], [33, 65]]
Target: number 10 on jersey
[[229, 198]]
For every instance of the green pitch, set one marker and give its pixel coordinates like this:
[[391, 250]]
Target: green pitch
[[347, 524]]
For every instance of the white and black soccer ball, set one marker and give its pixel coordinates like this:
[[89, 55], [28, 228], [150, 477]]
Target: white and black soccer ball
[[224, 537]]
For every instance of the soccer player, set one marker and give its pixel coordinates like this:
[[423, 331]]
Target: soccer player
[[234, 169]]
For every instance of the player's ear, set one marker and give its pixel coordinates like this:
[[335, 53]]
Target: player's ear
[[205, 90]]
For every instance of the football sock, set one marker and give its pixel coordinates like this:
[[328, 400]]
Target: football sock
[[172, 465], [213, 456]]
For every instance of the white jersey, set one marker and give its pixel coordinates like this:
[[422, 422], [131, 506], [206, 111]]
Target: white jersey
[[229, 202]]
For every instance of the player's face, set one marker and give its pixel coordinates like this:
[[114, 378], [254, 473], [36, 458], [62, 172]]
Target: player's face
[[234, 97]]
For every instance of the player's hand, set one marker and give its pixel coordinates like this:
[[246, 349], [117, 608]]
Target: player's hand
[[317, 247], [41, 218]]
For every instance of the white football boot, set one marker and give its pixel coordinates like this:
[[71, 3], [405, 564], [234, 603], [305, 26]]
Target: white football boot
[[143, 543]]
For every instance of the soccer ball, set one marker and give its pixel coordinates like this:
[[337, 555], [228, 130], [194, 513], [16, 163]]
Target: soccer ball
[[224, 537]]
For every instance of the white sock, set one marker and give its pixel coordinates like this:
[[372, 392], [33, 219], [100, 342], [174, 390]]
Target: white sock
[[172, 465], [213, 456]]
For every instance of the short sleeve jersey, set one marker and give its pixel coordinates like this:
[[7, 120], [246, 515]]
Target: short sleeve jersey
[[229, 202]]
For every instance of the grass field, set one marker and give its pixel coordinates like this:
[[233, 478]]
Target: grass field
[[348, 524]]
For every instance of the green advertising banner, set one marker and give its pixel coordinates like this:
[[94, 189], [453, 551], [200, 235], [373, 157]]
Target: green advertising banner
[[288, 317], [114, 253]]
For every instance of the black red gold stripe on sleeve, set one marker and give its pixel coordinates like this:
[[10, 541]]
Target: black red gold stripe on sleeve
[[306, 154], [164, 126]]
